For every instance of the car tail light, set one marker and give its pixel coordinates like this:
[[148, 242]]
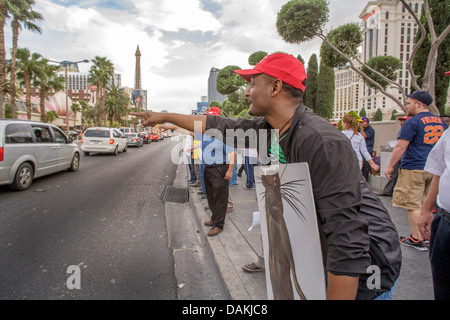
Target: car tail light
[[111, 141], [81, 140], [1, 153]]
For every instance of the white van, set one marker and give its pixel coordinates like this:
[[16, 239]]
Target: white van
[[103, 140], [30, 149]]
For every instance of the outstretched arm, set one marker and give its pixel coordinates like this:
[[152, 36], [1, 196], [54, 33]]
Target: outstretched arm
[[188, 122]]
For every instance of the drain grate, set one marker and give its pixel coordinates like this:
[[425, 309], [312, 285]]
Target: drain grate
[[173, 194]]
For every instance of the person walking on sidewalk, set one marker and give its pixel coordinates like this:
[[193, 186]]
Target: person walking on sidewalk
[[357, 141], [437, 230], [217, 160], [191, 165], [275, 95], [417, 137], [369, 135], [389, 187]]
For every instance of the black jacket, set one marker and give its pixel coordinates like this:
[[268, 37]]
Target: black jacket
[[335, 178]]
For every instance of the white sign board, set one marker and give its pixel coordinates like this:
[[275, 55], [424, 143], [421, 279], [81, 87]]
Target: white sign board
[[291, 242]]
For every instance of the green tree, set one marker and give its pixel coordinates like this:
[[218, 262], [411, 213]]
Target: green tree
[[99, 75], [231, 84], [363, 113], [301, 20], [75, 109], [228, 81], [439, 13], [48, 82], [51, 116], [256, 57], [386, 65], [378, 115], [116, 103], [7, 8], [310, 94], [215, 104], [87, 114], [325, 91], [393, 114], [25, 17], [28, 64], [347, 39]]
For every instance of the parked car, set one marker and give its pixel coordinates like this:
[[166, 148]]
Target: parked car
[[126, 130], [154, 137], [145, 136], [133, 139], [31, 149], [103, 140]]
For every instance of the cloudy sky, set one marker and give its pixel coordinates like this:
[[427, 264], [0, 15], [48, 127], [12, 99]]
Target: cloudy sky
[[180, 40]]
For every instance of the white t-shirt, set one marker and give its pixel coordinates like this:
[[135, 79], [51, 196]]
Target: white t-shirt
[[359, 145], [438, 163]]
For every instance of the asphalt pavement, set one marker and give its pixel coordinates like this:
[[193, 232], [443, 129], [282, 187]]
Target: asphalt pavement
[[237, 246]]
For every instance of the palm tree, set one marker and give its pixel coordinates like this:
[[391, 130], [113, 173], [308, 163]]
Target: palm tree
[[7, 8], [85, 111], [29, 65], [99, 75], [48, 81], [25, 15], [75, 108], [116, 103], [51, 116]]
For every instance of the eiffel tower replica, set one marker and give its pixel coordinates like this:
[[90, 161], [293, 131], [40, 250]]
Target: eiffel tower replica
[[139, 95], [137, 76]]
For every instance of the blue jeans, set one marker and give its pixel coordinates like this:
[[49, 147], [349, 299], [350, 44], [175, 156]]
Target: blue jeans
[[389, 295], [193, 177], [233, 181], [249, 164], [202, 177]]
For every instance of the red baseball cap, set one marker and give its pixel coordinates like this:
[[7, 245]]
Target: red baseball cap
[[281, 66], [213, 111]]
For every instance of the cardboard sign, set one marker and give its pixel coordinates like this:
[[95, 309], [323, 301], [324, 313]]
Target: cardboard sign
[[291, 243]]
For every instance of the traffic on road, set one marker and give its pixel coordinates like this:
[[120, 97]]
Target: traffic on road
[[97, 233]]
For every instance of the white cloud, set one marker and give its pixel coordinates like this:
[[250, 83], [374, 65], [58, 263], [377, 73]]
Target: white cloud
[[180, 40]]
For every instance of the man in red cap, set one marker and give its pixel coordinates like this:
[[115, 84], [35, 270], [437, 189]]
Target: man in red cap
[[275, 94], [213, 111]]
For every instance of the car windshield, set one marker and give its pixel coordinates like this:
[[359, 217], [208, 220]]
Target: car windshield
[[97, 133], [132, 135]]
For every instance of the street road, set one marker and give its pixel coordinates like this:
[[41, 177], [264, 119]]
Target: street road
[[105, 223]]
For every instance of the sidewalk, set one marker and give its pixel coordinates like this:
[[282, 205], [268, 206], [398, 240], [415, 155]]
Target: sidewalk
[[236, 246]]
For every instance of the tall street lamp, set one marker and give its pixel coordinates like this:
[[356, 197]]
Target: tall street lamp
[[66, 63]]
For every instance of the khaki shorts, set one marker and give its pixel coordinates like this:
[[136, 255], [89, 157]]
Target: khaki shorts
[[411, 189]]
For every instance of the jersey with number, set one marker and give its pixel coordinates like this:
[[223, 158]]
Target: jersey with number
[[422, 131]]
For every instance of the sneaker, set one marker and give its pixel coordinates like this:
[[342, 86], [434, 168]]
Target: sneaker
[[252, 267], [413, 243], [248, 188]]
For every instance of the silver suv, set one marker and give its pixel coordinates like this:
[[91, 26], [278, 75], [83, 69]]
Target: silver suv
[[30, 149]]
